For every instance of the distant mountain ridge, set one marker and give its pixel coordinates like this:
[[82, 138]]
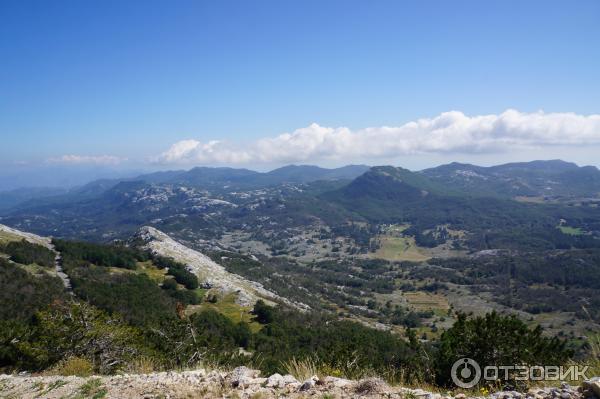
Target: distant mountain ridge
[[10, 199], [245, 178], [201, 177], [554, 178], [512, 205]]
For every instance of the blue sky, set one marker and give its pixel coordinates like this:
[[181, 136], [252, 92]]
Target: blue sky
[[130, 79]]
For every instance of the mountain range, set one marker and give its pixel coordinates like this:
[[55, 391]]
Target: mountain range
[[511, 205], [528, 179]]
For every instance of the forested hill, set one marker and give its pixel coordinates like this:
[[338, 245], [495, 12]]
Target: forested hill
[[396, 195]]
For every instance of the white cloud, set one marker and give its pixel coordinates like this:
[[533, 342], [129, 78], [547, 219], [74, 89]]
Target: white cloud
[[86, 159], [450, 132], [212, 152]]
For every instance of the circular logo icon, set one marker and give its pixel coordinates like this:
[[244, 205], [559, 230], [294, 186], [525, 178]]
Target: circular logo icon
[[466, 373]]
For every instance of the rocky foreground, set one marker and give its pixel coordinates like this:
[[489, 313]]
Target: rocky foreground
[[245, 383]]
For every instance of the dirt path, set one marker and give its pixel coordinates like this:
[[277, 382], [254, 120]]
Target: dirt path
[[59, 270]]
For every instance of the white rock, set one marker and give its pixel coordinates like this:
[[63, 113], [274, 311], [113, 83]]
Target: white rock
[[308, 384], [338, 382], [280, 381], [274, 380], [257, 381], [243, 376], [593, 385]]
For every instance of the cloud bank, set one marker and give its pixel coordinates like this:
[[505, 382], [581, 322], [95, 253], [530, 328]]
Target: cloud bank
[[448, 133], [87, 160]]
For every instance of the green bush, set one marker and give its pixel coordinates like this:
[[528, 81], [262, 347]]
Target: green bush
[[184, 277], [263, 312], [178, 270], [496, 340], [169, 284], [185, 297], [216, 331]]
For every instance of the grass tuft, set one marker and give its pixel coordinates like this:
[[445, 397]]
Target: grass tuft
[[302, 369], [77, 366], [142, 365], [92, 389]]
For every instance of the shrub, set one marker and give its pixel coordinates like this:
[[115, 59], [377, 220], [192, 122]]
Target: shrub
[[184, 277], [213, 330], [178, 270], [496, 340], [142, 365], [186, 297], [78, 366], [263, 312], [12, 333], [169, 284]]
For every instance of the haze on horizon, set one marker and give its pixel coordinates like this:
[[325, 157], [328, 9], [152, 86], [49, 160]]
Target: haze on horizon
[[116, 89]]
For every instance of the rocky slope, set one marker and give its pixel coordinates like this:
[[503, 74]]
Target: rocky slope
[[246, 383], [209, 272], [8, 233]]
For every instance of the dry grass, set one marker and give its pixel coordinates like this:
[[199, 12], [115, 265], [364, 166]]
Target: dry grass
[[6, 237], [76, 366], [594, 360], [370, 386], [228, 307], [420, 300], [142, 365], [156, 274], [302, 369], [399, 249], [594, 342]]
